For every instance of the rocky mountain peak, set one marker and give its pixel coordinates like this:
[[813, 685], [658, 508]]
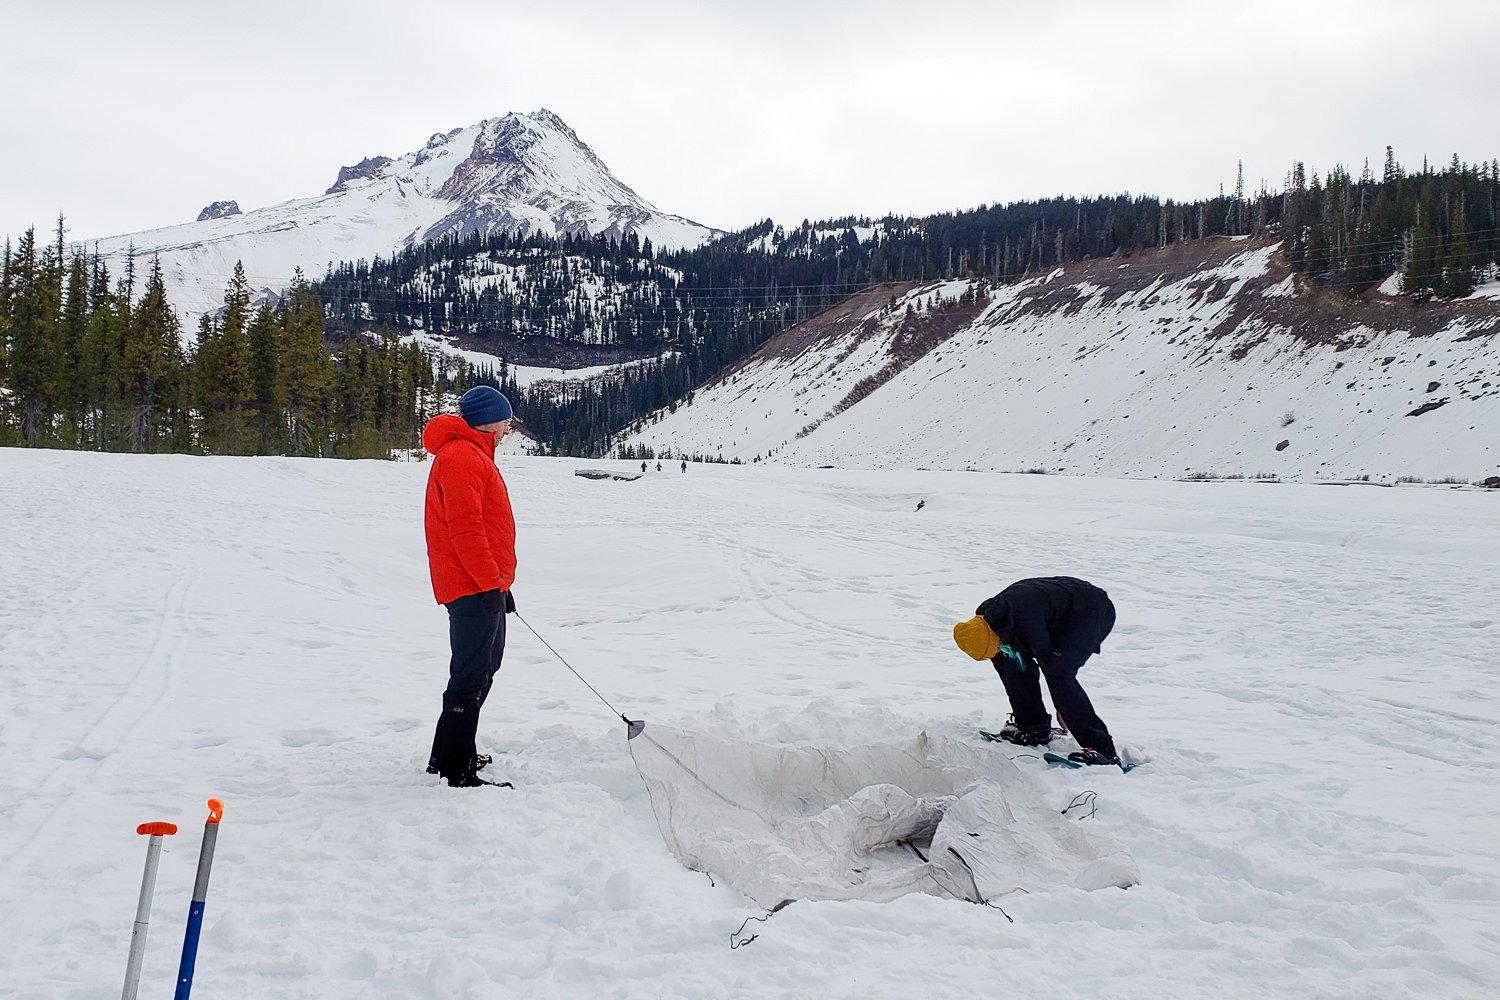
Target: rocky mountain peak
[[368, 167], [514, 173], [521, 155], [219, 210]]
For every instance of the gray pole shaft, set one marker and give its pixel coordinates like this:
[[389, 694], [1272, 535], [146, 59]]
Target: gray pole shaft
[[142, 921], [205, 861]]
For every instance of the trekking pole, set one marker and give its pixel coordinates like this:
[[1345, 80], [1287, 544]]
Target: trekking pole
[[156, 831], [200, 894]]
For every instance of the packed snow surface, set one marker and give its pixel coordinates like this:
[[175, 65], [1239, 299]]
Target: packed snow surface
[[1310, 669]]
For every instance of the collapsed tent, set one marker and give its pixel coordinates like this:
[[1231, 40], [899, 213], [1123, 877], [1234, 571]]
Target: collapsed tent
[[870, 822]]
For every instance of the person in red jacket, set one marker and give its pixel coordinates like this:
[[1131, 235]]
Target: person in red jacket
[[471, 551]]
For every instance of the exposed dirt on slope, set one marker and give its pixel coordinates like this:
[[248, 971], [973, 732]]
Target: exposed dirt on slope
[[1278, 300], [914, 337], [1218, 299], [855, 318]]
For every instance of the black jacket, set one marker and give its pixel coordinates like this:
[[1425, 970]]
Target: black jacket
[[1055, 622]]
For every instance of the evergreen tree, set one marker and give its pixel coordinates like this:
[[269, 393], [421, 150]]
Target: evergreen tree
[[222, 371], [103, 352], [151, 366], [73, 331], [306, 368], [268, 401], [1421, 275], [32, 362], [1458, 263]]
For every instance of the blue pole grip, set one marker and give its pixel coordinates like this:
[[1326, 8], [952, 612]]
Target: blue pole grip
[[189, 950]]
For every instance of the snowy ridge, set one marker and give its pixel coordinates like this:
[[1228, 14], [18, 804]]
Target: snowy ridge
[[1152, 367], [519, 172]]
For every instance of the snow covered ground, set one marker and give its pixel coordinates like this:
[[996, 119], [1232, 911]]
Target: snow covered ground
[[1311, 670]]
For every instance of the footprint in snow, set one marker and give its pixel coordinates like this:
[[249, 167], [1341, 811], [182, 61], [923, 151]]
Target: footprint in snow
[[81, 753]]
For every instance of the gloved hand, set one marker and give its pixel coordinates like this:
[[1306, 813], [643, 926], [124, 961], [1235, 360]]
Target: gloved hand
[[510, 602]]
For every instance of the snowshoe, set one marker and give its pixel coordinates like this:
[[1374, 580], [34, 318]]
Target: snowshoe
[[1086, 756], [471, 779], [1029, 736]]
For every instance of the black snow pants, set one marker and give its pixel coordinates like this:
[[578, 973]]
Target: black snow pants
[[1024, 688], [476, 633]]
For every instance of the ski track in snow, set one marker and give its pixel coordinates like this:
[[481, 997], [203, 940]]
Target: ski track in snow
[[1310, 672]]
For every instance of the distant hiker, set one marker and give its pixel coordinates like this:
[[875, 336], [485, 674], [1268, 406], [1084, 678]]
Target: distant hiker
[[921, 504], [658, 466], [643, 467], [471, 552], [1046, 627], [684, 465]]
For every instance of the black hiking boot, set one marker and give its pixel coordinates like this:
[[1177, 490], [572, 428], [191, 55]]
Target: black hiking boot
[[1093, 757], [481, 761], [1031, 736]]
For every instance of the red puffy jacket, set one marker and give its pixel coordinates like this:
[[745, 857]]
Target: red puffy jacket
[[471, 532]]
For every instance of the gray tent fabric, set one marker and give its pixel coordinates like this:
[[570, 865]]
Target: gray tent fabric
[[876, 822]]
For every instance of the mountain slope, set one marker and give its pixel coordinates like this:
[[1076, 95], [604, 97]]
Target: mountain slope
[[1201, 359], [519, 172]]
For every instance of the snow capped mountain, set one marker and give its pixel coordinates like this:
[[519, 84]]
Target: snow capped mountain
[[1200, 360], [518, 172]]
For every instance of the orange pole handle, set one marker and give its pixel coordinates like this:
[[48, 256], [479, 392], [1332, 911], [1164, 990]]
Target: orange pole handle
[[215, 810], [157, 829]]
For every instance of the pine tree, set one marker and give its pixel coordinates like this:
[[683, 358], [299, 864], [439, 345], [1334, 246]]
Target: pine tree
[[103, 349], [32, 362], [73, 330], [268, 383], [306, 368], [150, 365], [1420, 276], [1458, 263], [7, 428], [222, 371]]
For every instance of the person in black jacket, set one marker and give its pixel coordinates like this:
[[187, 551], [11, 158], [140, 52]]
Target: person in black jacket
[[1045, 627]]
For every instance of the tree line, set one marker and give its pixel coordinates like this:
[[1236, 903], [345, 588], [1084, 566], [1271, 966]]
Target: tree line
[[1434, 229], [700, 310], [97, 362], [87, 364]]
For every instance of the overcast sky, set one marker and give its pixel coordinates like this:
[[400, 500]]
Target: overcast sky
[[129, 116]]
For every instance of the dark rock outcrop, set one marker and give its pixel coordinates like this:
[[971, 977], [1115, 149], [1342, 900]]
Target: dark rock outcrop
[[368, 167], [1428, 407], [219, 210]]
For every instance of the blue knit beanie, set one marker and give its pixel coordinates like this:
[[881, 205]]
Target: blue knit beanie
[[482, 405]]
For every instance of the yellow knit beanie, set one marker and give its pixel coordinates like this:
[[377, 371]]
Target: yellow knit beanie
[[976, 638]]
